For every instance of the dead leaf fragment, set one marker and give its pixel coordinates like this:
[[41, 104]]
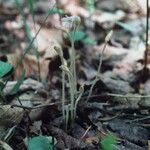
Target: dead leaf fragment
[[9, 115]]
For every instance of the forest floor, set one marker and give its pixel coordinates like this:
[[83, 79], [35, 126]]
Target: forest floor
[[115, 115]]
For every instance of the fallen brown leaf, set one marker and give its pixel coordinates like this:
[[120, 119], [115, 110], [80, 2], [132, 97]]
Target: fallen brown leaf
[[30, 63]]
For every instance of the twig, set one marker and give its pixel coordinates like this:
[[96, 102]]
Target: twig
[[110, 118], [36, 107], [5, 145], [116, 95], [146, 42], [87, 130], [140, 119], [128, 96]]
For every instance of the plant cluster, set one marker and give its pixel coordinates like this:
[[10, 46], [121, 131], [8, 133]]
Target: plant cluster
[[69, 75]]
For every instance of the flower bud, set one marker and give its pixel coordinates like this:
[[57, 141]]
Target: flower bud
[[65, 69]]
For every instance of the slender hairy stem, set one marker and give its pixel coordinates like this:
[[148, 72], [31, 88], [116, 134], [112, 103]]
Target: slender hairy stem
[[63, 94], [76, 103], [98, 71], [71, 83], [67, 110], [73, 78], [72, 61]]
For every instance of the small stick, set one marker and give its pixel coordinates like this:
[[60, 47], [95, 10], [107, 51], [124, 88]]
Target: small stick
[[145, 71], [146, 42], [5, 145], [110, 118], [140, 119], [87, 130], [117, 95], [36, 107]]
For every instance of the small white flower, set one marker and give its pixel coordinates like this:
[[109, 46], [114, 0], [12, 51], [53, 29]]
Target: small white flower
[[71, 22]]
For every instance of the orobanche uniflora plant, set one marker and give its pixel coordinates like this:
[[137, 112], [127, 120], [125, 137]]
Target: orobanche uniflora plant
[[69, 76], [107, 39]]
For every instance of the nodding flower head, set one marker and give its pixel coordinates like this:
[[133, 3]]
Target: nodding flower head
[[109, 36], [66, 70], [71, 22], [59, 51], [81, 89]]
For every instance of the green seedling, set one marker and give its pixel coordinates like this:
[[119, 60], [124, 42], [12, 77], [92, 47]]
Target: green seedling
[[108, 142], [5, 68]]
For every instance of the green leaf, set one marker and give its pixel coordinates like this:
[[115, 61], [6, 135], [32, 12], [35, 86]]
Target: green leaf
[[4, 68], [31, 7], [89, 41], [16, 87], [125, 26], [108, 142], [40, 143], [56, 11], [78, 35]]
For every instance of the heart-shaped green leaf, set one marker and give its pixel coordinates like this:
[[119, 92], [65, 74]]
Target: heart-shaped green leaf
[[40, 143], [4, 68], [108, 142]]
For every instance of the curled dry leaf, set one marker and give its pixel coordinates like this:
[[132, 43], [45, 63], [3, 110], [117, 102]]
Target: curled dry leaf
[[9, 115]]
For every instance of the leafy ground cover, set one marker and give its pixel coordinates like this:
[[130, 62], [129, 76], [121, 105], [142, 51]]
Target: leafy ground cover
[[74, 74]]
